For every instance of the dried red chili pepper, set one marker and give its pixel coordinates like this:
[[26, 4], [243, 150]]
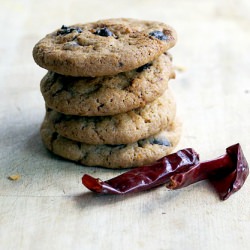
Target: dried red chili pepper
[[145, 177], [227, 173]]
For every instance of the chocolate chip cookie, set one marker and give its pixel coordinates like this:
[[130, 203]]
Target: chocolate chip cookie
[[122, 128], [105, 47], [107, 95], [135, 154]]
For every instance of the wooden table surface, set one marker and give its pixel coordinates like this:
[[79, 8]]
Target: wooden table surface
[[48, 208]]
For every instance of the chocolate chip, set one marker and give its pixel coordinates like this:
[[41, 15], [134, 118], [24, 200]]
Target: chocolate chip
[[159, 35], [103, 32], [160, 141], [143, 67], [70, 45], [66, 30]]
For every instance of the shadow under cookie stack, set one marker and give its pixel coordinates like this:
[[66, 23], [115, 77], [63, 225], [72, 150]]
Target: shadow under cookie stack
[[106, 92]]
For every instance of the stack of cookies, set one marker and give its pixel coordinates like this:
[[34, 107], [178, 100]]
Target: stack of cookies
[[106, 92]]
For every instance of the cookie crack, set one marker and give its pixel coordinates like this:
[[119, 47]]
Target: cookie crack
[[97, 132], [100, 104]]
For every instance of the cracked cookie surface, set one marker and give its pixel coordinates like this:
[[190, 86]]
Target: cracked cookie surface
[[107, 95], [105, 47], [122, 128], [135, 154]]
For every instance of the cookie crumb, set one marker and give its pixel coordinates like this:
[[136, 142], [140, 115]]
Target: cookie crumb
[[14, 177]]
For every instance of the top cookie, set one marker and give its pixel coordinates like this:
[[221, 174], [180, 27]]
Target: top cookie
[[105, 47]]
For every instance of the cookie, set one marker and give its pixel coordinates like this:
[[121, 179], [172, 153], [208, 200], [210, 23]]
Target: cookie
[[135, 154], [122, 128], [105, 47], [107, 95]]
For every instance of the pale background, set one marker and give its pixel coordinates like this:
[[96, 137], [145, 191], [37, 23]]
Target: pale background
[[48, 208]]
